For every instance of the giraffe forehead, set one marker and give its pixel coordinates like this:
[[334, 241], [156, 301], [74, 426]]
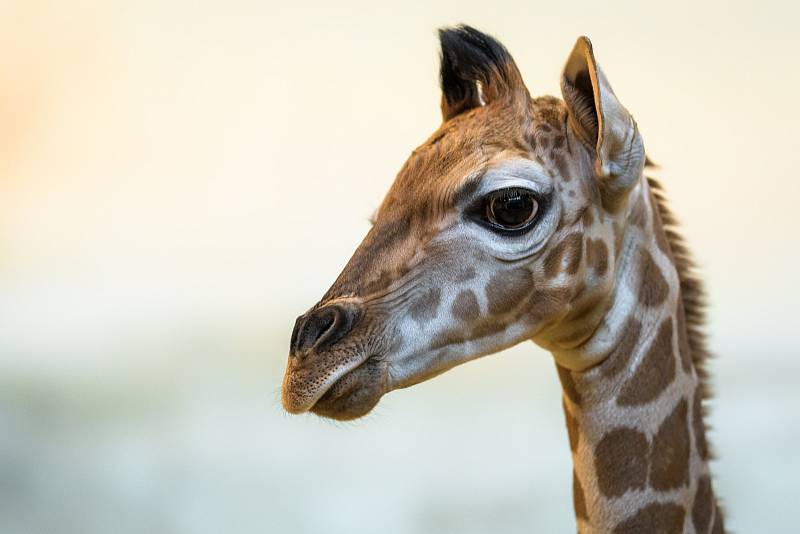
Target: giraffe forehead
[[549, 114], [459, 149]]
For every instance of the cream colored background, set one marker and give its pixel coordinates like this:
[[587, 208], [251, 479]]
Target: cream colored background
[[179, 180]]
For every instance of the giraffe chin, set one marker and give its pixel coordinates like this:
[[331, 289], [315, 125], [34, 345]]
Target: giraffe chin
[[356, 393]]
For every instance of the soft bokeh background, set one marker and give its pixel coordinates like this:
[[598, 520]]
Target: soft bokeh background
[[179, 180]]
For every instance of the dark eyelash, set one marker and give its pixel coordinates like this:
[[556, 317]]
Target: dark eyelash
[[508, 193]]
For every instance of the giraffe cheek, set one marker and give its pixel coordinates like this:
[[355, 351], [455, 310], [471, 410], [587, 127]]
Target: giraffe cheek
[[426, 306], [507, 289], [465, 307]]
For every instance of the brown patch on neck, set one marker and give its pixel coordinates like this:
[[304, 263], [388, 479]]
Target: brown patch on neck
[[655, 518], [620, 461], [669, 457], [654, 373], [653, 289], [620, 355]]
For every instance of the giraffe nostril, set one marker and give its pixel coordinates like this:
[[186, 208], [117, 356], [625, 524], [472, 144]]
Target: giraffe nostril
[[322, 327]]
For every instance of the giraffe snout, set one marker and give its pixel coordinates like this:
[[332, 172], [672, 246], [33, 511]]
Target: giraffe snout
[[321, 328]]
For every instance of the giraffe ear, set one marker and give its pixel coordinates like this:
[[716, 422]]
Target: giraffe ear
[[475, 70], [599, 120]]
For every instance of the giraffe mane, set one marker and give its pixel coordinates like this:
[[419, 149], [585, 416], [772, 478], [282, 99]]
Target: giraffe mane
[[693, 292]]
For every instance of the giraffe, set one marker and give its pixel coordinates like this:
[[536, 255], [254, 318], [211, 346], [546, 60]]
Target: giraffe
[[531, 218]]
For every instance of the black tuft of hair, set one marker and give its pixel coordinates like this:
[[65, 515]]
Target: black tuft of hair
[[468, 58]]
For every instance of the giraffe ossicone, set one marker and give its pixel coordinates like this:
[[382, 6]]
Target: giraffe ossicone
[[530, 218]]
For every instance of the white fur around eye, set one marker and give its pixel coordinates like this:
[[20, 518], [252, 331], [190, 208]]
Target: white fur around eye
[[525, 174], [522, 173]]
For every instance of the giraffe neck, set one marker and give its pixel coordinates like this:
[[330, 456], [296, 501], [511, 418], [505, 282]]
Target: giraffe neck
[[634, 419]]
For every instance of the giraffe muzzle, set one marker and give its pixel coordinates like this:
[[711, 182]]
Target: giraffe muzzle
[[327, 354], [321, 328]]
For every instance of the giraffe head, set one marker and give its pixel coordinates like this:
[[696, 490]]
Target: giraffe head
[[503, 226]]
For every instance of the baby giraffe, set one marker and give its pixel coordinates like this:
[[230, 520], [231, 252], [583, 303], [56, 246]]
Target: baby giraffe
[[530, 218]]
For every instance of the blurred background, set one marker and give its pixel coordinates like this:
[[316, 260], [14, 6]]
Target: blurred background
[[179, 180]]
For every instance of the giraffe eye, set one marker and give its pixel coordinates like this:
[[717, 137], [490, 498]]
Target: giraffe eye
[[512, 208]]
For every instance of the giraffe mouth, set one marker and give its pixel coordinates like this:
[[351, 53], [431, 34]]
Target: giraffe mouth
[[355, 392], [301, 390]]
